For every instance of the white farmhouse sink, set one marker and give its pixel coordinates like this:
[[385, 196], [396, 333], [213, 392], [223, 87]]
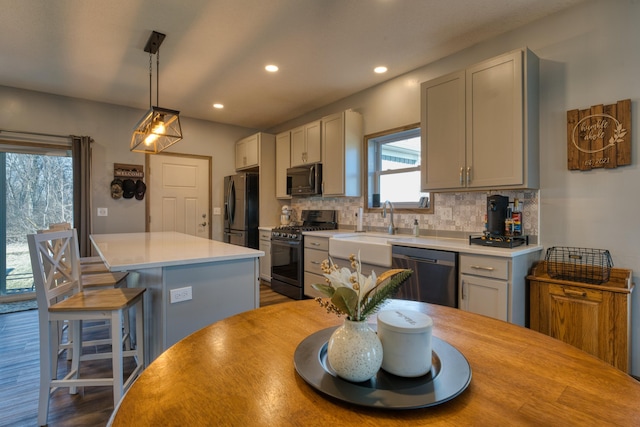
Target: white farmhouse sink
[[374, 248]]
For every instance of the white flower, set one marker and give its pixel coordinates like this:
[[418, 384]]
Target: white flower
[[353, 293]]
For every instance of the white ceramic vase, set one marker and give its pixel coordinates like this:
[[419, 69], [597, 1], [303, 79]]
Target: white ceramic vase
[[354, 351]]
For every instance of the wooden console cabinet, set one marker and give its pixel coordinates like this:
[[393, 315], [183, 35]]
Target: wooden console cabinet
[[594, 318]]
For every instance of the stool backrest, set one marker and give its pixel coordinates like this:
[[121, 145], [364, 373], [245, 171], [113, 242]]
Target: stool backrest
[[55, 264]]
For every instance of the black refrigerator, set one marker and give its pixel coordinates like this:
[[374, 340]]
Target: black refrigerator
[[241, 209]]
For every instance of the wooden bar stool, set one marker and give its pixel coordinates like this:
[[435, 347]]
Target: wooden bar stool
[[93, 276], [56, 272]]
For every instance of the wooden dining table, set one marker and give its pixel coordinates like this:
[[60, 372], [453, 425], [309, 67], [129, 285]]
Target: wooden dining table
[[240, 372]]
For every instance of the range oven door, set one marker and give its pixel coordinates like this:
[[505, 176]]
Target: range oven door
[[287, 267]]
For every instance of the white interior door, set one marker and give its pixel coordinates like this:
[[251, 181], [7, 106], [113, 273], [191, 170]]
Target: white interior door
[[179, 189]]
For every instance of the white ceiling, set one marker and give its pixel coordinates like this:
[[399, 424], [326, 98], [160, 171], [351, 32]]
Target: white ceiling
[[216, 50]]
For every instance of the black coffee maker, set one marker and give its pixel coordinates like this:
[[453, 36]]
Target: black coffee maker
[[497, 207]]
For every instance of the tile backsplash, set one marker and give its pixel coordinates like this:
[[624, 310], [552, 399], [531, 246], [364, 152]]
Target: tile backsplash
[[455, 214]]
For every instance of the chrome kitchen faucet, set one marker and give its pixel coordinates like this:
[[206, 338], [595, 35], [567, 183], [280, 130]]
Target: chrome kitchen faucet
[[392, 229]]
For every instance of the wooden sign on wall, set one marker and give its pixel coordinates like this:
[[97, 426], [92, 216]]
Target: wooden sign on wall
[[599, 137], [122, 170]]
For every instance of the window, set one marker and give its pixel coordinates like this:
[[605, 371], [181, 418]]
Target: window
[[393, 169]]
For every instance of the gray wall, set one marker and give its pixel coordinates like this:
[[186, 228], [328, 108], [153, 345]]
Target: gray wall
[[111, 127]]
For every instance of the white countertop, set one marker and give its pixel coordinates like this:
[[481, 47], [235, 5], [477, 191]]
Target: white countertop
[[440, 243], [129, 251]]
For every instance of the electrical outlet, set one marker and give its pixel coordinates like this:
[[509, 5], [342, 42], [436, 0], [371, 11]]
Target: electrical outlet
[[103, 211], [216, 211], [181, 294]]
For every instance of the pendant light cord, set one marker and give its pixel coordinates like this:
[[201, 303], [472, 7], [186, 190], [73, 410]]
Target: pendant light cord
[[158, 78], [150, 79]]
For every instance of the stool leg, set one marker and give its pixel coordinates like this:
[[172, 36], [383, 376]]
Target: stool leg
[[69, 335], [76, 326], [139, 315], [127, 329], [116, 353], [47, 350]]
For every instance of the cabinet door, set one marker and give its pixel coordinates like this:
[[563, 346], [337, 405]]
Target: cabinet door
[[298, 147], [313, 142], [593, 320], [312, 279], [283, 160], [333, 167], [265, 261], [576, 317], [484, 296], [241, 154], [494, 94], [247, 152], [443, 133], [342, 154]]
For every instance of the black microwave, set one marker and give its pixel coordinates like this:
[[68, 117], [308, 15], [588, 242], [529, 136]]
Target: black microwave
[[305, 180]]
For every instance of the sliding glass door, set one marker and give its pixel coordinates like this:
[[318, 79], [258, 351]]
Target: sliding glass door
[[36, 188]]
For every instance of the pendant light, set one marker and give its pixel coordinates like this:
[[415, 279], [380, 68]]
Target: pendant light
[[160, 127]]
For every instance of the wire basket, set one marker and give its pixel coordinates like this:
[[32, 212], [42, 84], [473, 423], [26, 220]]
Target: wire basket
[[579, 264]]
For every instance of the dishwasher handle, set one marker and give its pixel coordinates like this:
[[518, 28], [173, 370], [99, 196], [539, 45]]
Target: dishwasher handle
[[426, 260]]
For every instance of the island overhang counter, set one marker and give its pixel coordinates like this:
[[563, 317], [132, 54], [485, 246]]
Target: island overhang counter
[[221, 279]]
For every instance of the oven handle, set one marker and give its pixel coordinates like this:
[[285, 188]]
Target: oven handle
[[285, 242]]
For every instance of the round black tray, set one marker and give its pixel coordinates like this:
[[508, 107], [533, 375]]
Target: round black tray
[[450, 375]]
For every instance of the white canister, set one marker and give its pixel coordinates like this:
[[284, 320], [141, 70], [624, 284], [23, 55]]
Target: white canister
[[406, 342]]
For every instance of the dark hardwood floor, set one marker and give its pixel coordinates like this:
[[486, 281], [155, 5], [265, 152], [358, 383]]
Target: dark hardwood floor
[[20, 370]]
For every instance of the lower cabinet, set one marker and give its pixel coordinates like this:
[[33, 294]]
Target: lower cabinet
[[593, 318], [265, 261], [316, 250], [484, 296], [495, 286], [484, 286]]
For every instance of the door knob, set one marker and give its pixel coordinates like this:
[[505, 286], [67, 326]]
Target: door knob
[[203, 224]]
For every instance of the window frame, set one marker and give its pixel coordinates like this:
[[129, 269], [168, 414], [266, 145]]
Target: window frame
[[370, 165]]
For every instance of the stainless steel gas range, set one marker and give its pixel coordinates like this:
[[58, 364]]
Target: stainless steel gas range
[[287, 251]]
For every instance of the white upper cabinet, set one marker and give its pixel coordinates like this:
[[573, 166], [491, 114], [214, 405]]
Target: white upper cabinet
[[283, 161], [443, 132], [248, 152], [258, 153], [341, 154], [306, 144], [480, 126]]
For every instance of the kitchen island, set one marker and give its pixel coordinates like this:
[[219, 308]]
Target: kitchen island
[[518, 377], [191, 282]]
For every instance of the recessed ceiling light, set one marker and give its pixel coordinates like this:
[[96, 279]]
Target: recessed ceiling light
[[380, 70], [271, 68], [218, 106]]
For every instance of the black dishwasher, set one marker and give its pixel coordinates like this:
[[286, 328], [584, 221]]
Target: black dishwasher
[[435, 275]]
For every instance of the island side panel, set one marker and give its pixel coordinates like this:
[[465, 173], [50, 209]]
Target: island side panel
[[219, 290], [519, 300]]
